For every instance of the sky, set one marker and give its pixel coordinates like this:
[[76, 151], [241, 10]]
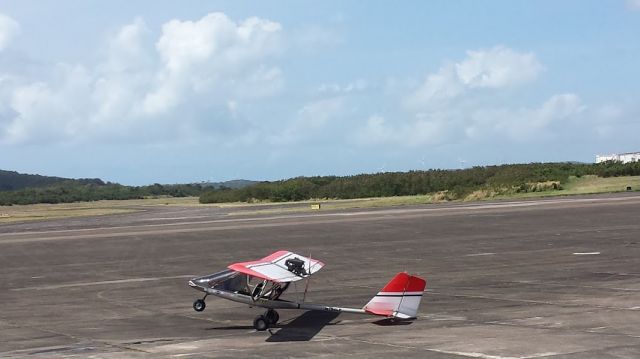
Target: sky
[[141, 92]]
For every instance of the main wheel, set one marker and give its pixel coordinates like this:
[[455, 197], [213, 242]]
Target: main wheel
[[199, 305], [272, 316], [260, 323]]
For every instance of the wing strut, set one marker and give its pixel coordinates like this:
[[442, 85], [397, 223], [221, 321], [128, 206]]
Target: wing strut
[[306, 287]]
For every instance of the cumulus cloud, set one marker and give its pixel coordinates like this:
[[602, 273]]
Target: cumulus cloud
[[479, 123], [497, 67], [311, 120], [9, 28], [41, 111], [211, 52], [494, 68], [182, 84], [450, 105], [127, 49], [421, 131], [525, 123], [437, 88]]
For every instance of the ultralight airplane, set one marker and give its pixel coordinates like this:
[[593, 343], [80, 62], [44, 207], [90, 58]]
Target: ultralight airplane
[[261, 283]]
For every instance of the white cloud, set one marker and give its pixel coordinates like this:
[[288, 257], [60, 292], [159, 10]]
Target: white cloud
[[123, 77], [421, 131], [437, 88], [494, 68], [9, 28], [522, 124], [483, 123], [127, 48], [137, 91], [213, 53], [310, 120], [497, 67], [450, 106], [42, 112]]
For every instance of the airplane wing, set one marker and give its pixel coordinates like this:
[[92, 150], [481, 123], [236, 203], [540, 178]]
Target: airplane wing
[[281, 266]]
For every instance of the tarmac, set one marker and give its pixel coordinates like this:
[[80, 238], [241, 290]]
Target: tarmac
[[546, 278]]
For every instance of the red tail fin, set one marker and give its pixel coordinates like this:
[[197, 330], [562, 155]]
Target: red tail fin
[[400, 298]]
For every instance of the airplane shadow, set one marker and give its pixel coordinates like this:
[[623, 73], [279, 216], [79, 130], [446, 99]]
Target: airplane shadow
[[390, 322], [234, 327], [303, 328]]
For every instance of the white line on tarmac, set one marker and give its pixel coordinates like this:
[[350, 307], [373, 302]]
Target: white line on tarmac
[[494, 205], [176, 218], [104, 282], [480, 254], [489, 356], [586, 253]]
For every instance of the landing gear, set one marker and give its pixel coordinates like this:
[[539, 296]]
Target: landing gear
[[272, 316], [263, 322], [260, 323], [199, 304]]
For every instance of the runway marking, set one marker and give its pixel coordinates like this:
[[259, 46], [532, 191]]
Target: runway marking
[[174, 218], [104, 282], [516, 300], [454, 208], [442, 351], [480, 254], [586, 253], [552, 284], [489, 356], [443, 317]]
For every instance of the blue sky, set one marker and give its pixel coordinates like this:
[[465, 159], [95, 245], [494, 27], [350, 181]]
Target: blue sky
[[174, 92]]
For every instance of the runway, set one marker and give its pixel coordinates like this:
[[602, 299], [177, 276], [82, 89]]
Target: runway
[[548, 278]]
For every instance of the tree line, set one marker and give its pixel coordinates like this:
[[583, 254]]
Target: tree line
[[12, 180], [457, 183], [77, 191]]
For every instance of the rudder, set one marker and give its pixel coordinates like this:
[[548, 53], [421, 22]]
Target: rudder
[[400, 298]]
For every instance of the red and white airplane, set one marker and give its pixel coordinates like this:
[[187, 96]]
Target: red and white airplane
[[261, 283]]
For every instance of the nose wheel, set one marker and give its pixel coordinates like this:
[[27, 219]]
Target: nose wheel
[[199, 304], [263, 322]]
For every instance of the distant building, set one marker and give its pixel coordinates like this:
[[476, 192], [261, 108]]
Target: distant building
[[620, 157]]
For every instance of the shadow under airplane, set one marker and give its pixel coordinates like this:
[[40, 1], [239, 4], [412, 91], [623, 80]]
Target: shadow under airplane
[[390, 321], [303, 328]]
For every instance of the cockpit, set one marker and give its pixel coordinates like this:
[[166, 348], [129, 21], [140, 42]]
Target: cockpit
[[240, 283]]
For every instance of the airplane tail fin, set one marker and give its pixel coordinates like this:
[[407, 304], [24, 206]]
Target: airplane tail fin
[[400, 298]]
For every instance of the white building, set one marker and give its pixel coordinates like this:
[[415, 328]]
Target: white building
[[620, 157]]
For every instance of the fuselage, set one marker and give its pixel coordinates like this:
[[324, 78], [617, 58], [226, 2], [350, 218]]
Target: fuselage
[[255, 292]]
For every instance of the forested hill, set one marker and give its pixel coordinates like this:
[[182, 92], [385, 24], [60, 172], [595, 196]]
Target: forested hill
[[233, 184], [11, 181], [18, 188], [448, 184]]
